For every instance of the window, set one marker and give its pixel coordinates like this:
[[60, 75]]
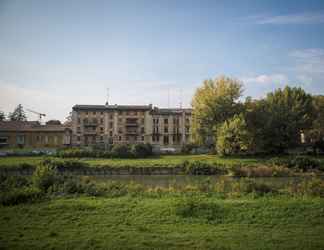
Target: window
[[110, 133], [110, 125], [78, 129], [142, 130], [55, 139], [94, 120], [85, 121], [101, 121], [79, 120], [20, 139], [166, 130], [120, 130], [3, 140], [78, 138], [86, 113], [94, 112], [142, 120], [166, 139], [110, 116], [166, 121], [120, 120], [142, 138], [101, 129], [101, 113], [187, 120], [119, 138], [101, 138]]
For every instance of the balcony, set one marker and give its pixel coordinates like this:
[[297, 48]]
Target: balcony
[[131, 122], [131, 132]]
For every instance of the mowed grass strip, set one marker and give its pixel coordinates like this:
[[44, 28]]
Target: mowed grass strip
[[164, 160], [152, 223]]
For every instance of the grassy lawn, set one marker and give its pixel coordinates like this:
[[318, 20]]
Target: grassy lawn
[[153, 223], [165, 160]]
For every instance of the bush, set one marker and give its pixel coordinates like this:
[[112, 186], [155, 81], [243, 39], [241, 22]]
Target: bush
[[45, 176], [259, 171], [196, 207], [18, 196], [141, 150], [201, 168], [247, 186], [121, 151], [10, 182], [313, 187], [301, 163]]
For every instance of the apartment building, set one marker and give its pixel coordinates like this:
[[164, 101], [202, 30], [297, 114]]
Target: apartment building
[[129, 124]]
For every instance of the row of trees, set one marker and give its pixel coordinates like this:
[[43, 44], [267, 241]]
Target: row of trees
[[272, 124], [17, 115]]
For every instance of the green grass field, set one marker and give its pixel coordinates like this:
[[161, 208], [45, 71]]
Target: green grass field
[[153, 223], [165, 160]]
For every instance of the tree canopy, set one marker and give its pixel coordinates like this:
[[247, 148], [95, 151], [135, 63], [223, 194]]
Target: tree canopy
[[18, 114], [214, 103]]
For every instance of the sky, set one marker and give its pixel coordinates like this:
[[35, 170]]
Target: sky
[[55, 54]]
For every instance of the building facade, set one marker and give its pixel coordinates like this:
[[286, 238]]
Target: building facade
[[129, 124], [30, 134]]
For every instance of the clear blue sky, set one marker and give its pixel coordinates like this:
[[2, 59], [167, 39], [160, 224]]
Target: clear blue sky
[[54, 54]]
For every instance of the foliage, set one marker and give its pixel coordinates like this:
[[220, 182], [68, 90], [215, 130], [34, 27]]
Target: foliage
[[20, 195], [18, 114], [301, 163], [196, 207], [141, 150], [45, 176], [313, 187], [289, 112], [259, 171], [202, 168], [213, 104], [2, 116], [315, 135], [233, 137]]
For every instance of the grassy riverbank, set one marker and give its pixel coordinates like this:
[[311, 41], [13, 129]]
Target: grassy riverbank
[[159, 223], [163, 160]]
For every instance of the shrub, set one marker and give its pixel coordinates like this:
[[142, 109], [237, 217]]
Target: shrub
[[196, 207], [10, 182], [233, 137], [201, 168], [301, 163], [141, 150], [121, 151], [45, 176], [247, 186], [259, 171], [18, 196], [313, 187]]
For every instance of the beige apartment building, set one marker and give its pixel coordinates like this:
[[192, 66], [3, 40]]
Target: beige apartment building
[[129, 124]]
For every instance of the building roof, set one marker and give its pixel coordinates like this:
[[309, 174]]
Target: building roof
[[111, 107], [170, 111], [29, 126]]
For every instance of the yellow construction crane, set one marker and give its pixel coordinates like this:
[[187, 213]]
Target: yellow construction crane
[[40, 115]]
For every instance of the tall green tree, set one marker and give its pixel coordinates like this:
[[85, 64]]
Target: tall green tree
[[289, 111], [2, 116], [213, 103], [18, 114], [315, 135], [233, 137]]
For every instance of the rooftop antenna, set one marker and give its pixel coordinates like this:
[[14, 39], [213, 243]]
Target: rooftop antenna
[[180, 98], [107, 100], [169, 97]]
